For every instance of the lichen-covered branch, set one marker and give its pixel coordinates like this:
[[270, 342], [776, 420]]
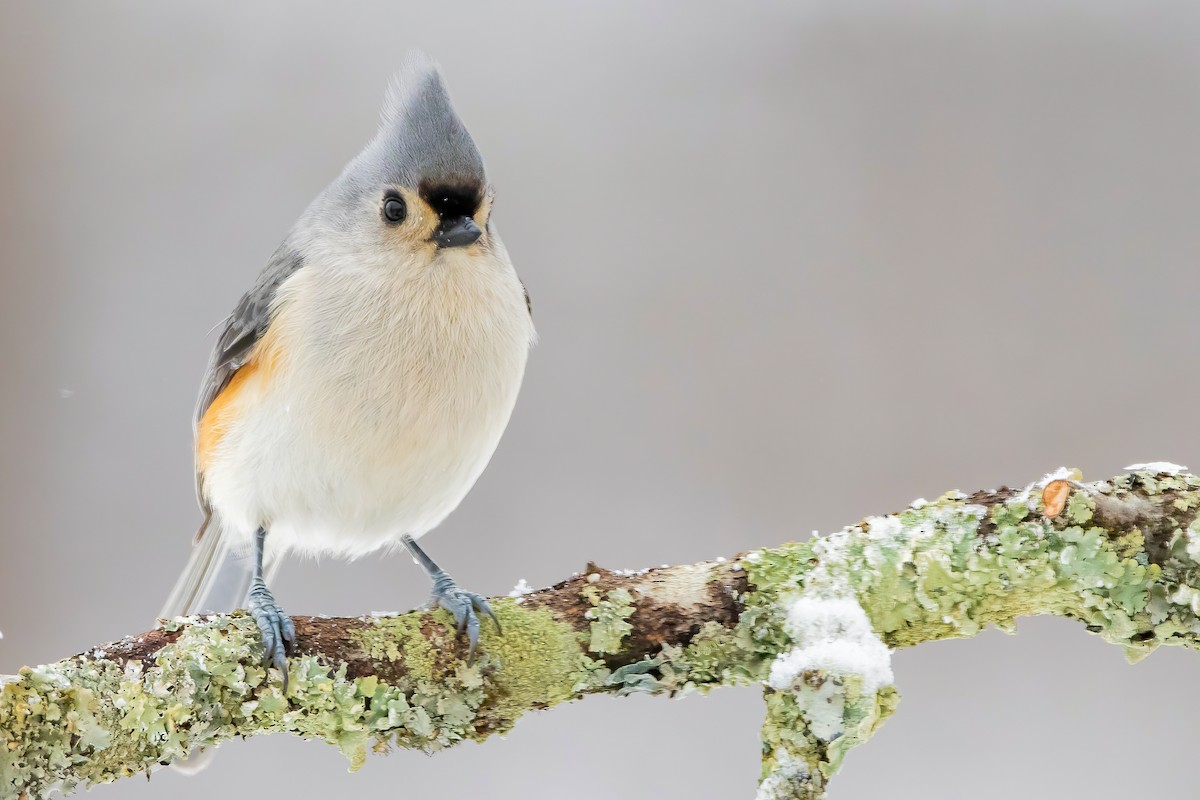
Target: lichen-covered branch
[[813, 623]]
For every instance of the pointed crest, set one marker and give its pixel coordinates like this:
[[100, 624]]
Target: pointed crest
[[421, 138], [421, 142]]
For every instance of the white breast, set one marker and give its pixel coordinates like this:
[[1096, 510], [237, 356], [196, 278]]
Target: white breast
[[389, 395]]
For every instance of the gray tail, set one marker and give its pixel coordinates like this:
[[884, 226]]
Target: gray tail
[[217, 578]]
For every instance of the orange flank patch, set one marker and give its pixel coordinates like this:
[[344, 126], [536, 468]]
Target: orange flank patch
[[245, 384]]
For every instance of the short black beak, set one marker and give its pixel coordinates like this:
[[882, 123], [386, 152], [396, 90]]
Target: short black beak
[[457, 232]]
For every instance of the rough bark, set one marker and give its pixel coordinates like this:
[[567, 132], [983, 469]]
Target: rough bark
[[812, 622]]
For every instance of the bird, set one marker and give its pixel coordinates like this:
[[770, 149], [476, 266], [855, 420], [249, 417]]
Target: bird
[[360, 387]]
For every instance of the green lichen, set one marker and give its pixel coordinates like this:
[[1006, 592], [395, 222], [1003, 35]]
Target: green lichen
[[399, 639], [83, 721], [438, 701], [777, 570], [542, 661], [949, 569], [715, 658], [946, 569], [90, 721], [610, 619], [1080, 508], [717, 655], [808, 731], [937, 572]]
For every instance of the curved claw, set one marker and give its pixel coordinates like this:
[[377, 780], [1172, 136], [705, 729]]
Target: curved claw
[[277, 630], [481, 605], [466, 607]]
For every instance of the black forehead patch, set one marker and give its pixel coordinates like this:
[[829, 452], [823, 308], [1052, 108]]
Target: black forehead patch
[[449, 200], [421, 144]]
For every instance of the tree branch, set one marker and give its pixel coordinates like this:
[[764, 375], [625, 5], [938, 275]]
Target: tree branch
[[813, 623]]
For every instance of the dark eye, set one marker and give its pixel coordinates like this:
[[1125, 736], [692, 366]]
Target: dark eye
[[393, 209]]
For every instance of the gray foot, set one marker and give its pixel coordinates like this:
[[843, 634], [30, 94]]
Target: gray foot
[[465, 607], [276, 627]]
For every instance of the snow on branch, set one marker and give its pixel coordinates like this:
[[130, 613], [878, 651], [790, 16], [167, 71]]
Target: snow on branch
[[813, 623]]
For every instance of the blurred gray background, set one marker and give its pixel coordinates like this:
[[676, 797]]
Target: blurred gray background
[[791, 263]]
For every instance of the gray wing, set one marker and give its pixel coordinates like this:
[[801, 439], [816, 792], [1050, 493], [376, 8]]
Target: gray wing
[[245, 326], [241, 331]]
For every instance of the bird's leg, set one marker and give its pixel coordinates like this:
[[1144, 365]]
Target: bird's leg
[[275, 626], [464, 606]]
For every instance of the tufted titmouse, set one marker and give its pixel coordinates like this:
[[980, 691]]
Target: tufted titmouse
[[360, 388]]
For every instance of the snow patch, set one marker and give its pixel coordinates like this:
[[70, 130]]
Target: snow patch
[[786, 780], [1163, 467], [883, 528], [832, 634], [1060, 474]]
